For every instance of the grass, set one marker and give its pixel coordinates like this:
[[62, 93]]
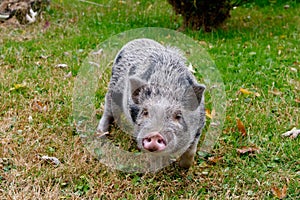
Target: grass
[[257, 49]]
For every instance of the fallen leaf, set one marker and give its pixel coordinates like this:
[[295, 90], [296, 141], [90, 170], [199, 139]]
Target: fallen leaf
[[68, 75], [293, 69], [229, 130], [149, 7], [46, 25], [67, 53], [297, 100], [30, 119], [296, 63], [256, 94], [44, 57], [282, 36], [38, 106], [241, 127], [250, 150], [247, 92], [244, 91], [61, 66], [292, 133], [215, 159], [279, 193], [203, 43], [275, 92], [280, 47], [52, 160], [208, 114], [18, 86]]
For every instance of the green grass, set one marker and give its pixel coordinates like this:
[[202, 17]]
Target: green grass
[[29, 55]]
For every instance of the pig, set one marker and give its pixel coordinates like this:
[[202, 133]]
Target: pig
[[159, 98]]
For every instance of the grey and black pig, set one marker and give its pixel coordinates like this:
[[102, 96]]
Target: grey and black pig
[[153, 90]]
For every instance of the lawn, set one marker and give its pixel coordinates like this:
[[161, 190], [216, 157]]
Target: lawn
[[257, 50]]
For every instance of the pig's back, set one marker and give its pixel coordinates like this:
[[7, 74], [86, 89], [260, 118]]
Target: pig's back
[[152, 62]]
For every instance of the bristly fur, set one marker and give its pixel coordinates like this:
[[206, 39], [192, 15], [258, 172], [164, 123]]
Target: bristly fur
[[150, 78]]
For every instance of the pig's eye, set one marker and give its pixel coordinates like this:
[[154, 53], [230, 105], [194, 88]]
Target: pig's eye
[[145, 112], [178, 116]]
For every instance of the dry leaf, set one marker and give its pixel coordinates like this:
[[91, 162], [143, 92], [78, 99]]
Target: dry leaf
[[215, 159], [61, 66], [208, 114], [18, 86], [229, 130], [279, 52], [250, 150], [38, 106], [256, 94], [292, 133], [279, 193], [293, 69], [241, 127], [296, 63], [68, 75], [203, 43], [52, 160], [244, 91], [30, 119], [275, 92], [247, 92]]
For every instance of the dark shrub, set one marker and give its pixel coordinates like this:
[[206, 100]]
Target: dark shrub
[[206, 14]]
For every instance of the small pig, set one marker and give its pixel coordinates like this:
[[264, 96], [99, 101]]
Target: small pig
[[153, 90]]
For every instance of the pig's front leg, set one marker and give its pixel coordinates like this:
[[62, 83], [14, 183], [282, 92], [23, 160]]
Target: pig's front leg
[[187, 158], [107, 117]]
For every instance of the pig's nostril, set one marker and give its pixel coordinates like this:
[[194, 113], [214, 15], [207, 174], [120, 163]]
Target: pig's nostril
[[154, 143]]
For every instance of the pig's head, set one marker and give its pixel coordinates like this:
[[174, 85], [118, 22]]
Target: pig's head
[[165, 119]]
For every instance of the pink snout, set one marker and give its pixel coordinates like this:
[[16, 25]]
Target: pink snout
[[154, 142]]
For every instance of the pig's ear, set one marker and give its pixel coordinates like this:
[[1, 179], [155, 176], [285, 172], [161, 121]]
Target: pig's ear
[[199, 91], [136, 86], [193, 96]]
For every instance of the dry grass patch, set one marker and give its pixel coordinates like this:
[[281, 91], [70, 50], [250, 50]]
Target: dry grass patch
[[36, 106]]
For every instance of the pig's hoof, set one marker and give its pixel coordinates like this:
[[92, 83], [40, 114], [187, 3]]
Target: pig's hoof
[[186, 163], [102, 126]]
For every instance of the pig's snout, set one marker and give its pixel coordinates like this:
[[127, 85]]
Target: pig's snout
[[154, 142]]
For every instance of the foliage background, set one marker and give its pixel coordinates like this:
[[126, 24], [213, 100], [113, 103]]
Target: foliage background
[[257, 49]]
